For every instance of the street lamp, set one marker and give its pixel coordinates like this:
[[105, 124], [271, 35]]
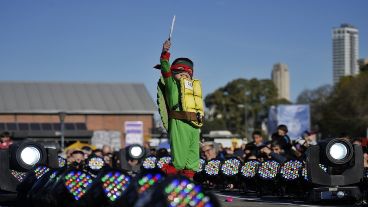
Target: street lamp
[[62, 116], [245, 119]]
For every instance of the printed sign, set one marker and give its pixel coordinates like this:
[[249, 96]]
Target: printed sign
[[133, 132]]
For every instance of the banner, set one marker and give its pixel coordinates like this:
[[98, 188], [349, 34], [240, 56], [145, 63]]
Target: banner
[[295, 117], [133, 133]]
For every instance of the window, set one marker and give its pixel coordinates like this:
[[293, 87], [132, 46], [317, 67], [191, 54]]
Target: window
[[2, 126], [81, 126], [56, 126], [46, 126], [69, 126], [11, 126], [35, 127], [23, 126]]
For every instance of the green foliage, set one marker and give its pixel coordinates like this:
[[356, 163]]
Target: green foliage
[[342, 109], [226, 105]]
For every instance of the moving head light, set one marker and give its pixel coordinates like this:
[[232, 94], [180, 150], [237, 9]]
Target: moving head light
[[20, 158], [343, 167]]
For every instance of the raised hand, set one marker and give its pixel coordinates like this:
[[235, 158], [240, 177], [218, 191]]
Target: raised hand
[[166, 46]]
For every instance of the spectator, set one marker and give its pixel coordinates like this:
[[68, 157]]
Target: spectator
[[106, 149], [282, 138], [5, 140], [98, 152], [87, 151], [276, 152], [77, 156], [209, 151], [253, 147]]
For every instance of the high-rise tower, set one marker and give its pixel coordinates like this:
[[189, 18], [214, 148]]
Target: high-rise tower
[[280, 77], [345, 51]]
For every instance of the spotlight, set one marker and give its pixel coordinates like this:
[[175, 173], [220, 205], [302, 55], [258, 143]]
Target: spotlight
[[26, 155], [230, 167], [21, 158], [162, 161], [268, 170], [178, 191], [290, 170], [334, 166], [136, 151], [133, 152], [249, 169], [149, 162]]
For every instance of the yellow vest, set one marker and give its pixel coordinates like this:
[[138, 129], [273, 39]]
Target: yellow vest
[[191, 98]]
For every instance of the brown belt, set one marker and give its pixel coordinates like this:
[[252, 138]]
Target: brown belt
[[184, 115]]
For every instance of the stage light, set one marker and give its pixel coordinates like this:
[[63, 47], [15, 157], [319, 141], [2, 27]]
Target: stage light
[[290, 170], [21, 158], [77, 183], [61, 161], [40, 171], [250, 168], [201, 166], [230, 167], [25, 155], [163, 160], [178, 191], [95, 163], [114, 184], [136, 151], [333, 166], [149, 162], [212, 167], [268, 170]]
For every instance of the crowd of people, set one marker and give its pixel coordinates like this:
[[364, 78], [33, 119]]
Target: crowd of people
[[280, 147]]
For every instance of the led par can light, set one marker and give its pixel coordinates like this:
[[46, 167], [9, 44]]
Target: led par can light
[[78, 183], [95, 163], [249, 169], [290, 170], [230, 167], [162, 161], [268, 170], [176, 191], [142, 186], [212, 167], [149, 162]]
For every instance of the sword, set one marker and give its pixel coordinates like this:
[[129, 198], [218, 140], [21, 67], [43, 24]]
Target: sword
[[172, 27]]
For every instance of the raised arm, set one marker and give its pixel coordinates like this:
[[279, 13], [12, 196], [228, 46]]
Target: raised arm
[[164, 59]]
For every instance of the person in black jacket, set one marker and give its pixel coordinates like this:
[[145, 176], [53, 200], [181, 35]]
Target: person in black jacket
[[282, 138]]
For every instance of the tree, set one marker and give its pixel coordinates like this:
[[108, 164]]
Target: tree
[[317, 100], [224, 104]]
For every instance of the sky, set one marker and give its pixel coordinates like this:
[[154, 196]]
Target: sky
[[121, 41]]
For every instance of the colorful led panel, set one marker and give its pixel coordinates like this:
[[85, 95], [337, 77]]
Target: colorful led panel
[[290, 169], [304, 173], [148, 181], [185, 193], [230, 167], [212, 167], [18, 175], [202, 162], [62, 161], [149, 162], [249, 169], [162, 161], [96, 163], [115, 184], [40, 171], [268, 170], [77, 183]]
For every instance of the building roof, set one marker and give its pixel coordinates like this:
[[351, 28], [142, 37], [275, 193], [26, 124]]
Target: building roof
[[74, 98]]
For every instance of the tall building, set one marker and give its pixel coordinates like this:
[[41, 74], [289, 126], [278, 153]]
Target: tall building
[[345, 51], [280, 77]]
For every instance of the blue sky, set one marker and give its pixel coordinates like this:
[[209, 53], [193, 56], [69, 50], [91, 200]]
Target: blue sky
[[120, 41]]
